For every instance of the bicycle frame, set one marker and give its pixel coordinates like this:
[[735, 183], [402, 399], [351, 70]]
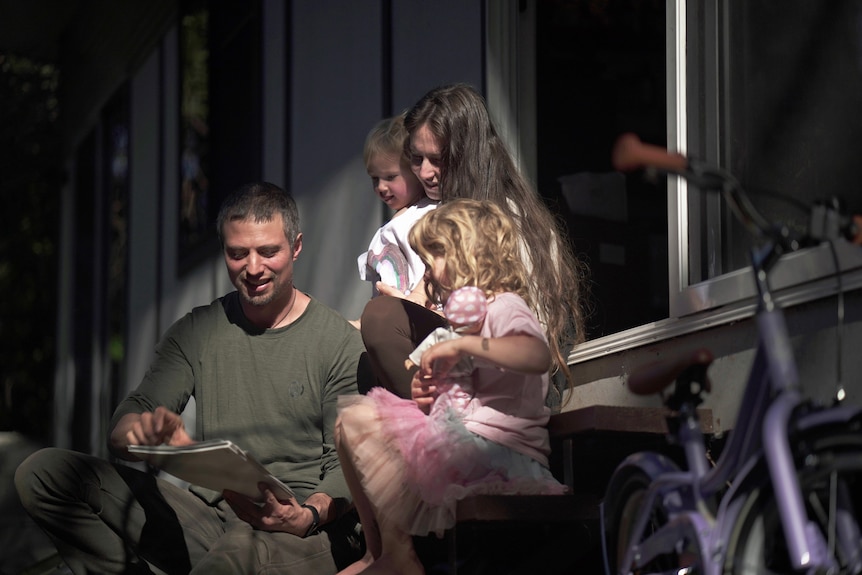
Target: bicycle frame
[[768, 412], [761, 421]]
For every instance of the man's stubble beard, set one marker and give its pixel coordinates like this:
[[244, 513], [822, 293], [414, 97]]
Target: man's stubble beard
[[262, 300]]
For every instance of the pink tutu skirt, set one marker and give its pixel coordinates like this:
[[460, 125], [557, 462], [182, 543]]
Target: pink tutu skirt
[[420, 466]]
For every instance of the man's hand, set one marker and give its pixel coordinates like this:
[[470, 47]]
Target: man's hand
[[273, 515], [148, 428], [158, 427]]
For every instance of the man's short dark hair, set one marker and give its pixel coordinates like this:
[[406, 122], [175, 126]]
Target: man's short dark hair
[[259, 202]]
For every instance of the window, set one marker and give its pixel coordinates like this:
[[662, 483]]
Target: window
[[115, 189], [220, 131], [195, 172], [771, 92], [599, 73]]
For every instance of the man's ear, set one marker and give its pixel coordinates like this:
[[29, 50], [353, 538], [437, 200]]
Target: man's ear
[[297, 246]]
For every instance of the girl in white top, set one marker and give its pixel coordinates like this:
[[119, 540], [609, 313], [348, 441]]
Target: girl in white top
[[389, 258]]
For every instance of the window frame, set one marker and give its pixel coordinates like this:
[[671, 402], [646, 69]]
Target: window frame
[[801, 276]]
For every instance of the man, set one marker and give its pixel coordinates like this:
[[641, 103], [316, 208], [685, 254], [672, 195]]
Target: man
[[266, 364]]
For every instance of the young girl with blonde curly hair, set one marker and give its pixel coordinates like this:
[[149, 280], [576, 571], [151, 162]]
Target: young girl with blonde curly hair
[[408, 461]]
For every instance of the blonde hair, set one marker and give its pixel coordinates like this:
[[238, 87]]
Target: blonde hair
[[387, 138], [480, 247]]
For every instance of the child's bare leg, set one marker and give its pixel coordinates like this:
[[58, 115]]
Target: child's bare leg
[[399, 556], [358, 566], [347, 429], [389, 549]]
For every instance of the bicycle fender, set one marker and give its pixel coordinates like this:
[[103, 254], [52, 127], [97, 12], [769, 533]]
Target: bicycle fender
[[650, 463]]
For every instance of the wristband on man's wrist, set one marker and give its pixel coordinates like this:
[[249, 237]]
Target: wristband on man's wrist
[[315, 519]]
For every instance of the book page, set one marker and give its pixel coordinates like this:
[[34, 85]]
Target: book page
[[216, 464]]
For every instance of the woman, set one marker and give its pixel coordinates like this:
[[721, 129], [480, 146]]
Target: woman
[[456, 152]]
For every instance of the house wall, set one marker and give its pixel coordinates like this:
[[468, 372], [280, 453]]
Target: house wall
[[339, 90], [330, 71]]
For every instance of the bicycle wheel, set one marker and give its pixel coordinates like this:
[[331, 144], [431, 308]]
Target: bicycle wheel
[[623, 507], [830, 476]]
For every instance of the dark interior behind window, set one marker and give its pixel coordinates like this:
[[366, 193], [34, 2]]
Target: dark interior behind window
[[795, 106], [600, 72]]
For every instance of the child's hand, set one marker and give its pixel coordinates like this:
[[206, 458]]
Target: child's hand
[[439, 359], [417, 295], [423, 390], [386, 289]]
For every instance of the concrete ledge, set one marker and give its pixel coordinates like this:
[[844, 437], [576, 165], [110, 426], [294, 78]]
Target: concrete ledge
[[528, 508], [597, 418]]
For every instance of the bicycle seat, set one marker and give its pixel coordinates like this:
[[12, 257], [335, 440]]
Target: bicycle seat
[[654, 377]]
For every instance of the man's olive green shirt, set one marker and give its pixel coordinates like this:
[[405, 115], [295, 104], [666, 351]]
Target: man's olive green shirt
[[272, 392]]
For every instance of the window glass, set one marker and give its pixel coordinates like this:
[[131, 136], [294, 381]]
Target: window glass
[[773, 94], [600, 71], [195, 174], [116, 152]]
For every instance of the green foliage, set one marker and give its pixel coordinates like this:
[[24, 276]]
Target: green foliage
[[30, 164]]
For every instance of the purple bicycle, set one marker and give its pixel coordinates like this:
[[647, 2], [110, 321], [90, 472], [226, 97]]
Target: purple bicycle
[[785, 494]]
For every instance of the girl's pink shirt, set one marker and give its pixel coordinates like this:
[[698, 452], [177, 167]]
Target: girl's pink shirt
[[509, 407]]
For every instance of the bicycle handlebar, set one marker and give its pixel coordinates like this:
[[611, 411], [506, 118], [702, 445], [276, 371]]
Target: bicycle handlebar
[[630, 154]]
